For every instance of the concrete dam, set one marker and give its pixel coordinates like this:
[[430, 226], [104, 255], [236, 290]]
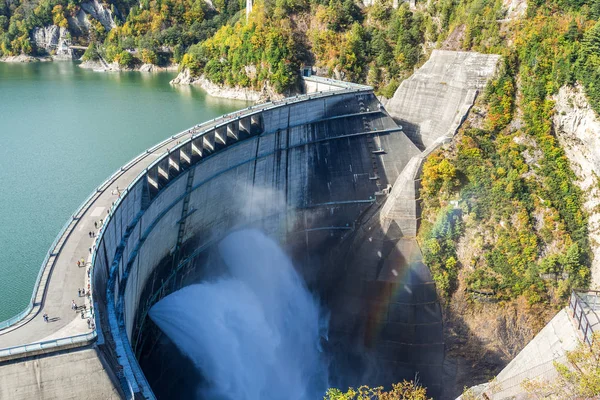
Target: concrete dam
[[329, 175], [307, 172]]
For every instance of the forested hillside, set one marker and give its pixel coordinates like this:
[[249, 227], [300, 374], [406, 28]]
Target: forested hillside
[[502, 218], [514, 183], [503, 228]]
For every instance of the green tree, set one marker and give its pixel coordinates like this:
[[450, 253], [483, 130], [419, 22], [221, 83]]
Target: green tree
[[91, 53], [400, 391], [578, 378], [125, 59], [588, 65]]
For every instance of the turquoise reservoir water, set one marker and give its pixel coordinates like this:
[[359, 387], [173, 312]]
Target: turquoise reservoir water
[[63, 130]]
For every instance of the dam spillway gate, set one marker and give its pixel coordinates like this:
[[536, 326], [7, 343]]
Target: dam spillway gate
[[314, 172]]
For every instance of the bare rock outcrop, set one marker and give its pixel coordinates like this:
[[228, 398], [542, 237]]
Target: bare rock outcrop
[[100, 65], [515, 9], [80, 24], [53, 39], [578, 130], [23, 58], [156, 68], [237, 93], [99, 12]]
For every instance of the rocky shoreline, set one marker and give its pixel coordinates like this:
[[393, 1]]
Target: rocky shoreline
[[23, 58], [234, 93], [99, 65], [102, 66], [183, 78]]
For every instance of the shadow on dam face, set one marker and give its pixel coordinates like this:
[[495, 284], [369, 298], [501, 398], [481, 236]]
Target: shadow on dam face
[[317, 178], [384, 321]]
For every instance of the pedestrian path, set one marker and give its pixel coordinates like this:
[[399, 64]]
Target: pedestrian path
[[65, 277]]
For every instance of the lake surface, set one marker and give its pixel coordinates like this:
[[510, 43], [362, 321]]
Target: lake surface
[[63, 131]]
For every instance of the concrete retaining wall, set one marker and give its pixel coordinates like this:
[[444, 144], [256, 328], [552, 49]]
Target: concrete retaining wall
[[432, 103], [44, 377]]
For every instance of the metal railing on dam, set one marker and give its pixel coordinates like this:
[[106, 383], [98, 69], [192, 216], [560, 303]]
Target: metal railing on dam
[[124, 233], [190, 147], [48, 346], [584, 306]]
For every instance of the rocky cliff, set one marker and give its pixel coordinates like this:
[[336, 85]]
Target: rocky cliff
[[56, 40], [578, 129], [99, 12], [53, 40], [80, 24], [515, 9]]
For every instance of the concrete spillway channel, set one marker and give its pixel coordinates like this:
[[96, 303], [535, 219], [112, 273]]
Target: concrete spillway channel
[[314, 172]]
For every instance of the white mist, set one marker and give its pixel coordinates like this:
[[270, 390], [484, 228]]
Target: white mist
[[254, 334]]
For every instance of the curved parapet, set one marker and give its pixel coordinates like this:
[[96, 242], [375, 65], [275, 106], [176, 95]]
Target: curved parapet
[[303, 170]]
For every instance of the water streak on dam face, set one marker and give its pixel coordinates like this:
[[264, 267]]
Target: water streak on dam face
[[328, 163], [254, 333]]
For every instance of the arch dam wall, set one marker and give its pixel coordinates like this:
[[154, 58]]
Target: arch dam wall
[[305, 171]]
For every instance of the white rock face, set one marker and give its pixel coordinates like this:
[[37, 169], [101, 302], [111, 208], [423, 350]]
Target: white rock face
[[147, 68], [183, 78], [515, 9], [250, 71], [578, 130], [156, 68], [79, 24], [53, 38], [97, 10], [236, 93]]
